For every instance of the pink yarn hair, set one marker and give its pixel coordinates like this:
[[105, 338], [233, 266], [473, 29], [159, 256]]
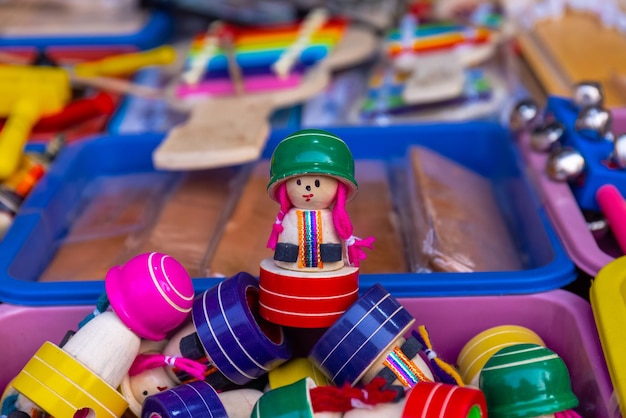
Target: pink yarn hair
[[341, 221], [145, 362], [285, 205], [343, 225]]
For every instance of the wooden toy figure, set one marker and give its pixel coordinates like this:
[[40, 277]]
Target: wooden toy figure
[[148, 374], [304, 398], [479, 349], [430, 399], [150, 296], [528, 380], [227, 335], [312, 178], [368, 342], [200, 399]]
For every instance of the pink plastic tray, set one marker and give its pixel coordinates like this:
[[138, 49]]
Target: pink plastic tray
[[563, 320], [564, 212]]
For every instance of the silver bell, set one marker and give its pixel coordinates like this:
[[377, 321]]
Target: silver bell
[[618, 157], [565, 164], [546, 137], [594, 118], [523, 114], [588, 93]]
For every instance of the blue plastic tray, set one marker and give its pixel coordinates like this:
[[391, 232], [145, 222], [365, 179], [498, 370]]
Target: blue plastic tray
[[45, 217], [157, 30]]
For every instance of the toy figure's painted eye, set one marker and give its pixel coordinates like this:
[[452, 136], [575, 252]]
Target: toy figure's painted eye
[[298, 182], [145, 393], [317, 183]]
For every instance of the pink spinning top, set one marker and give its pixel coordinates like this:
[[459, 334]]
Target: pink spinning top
[[152, 294]]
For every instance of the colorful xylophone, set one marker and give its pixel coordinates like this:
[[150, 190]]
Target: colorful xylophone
[[255, 50]]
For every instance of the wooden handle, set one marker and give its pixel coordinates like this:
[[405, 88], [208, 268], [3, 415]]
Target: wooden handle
[[15, 134], [314, 20], [125, 64], [218, 133]]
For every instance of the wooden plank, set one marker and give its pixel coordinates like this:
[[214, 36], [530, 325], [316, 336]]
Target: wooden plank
[[182, 224], [573, 49]]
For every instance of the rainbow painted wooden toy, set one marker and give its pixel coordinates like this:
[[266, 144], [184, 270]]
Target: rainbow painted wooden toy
[[232, 72], [258, 55], [431, 65]]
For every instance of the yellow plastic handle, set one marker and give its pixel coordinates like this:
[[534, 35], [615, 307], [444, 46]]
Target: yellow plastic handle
[[47, 86], [126, 64], [15, 133]]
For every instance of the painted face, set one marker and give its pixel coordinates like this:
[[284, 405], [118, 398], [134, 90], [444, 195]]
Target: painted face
[[149, 382], [311, 191]]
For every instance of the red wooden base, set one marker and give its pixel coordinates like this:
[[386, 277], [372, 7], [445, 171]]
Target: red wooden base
[[305, 300]]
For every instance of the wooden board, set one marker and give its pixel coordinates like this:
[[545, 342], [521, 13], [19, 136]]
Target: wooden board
[[193, 217], [182, 224], [219, 133], [576, 48], [458, 223]]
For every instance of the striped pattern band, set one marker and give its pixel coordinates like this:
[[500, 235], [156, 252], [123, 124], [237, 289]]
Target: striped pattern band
[[61, 385], [407, 373], [195, 399], [309, 238], [225, 320]]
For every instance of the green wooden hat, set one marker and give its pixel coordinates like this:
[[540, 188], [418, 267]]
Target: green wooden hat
[[312, 151], [526, 380]]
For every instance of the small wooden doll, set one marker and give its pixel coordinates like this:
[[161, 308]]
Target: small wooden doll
[[368, 342], [148, 374], [528, 380], [150, 295], [312, 178]]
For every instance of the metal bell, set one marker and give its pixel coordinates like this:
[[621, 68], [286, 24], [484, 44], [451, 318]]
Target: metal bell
[[523, 114], [588, 93], [594, 118], [546, 137], [618, 157], [565, 164]]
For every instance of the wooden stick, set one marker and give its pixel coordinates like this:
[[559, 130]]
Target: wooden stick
[[234, 71], [314, 20], [117, 85], [198, 65]]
